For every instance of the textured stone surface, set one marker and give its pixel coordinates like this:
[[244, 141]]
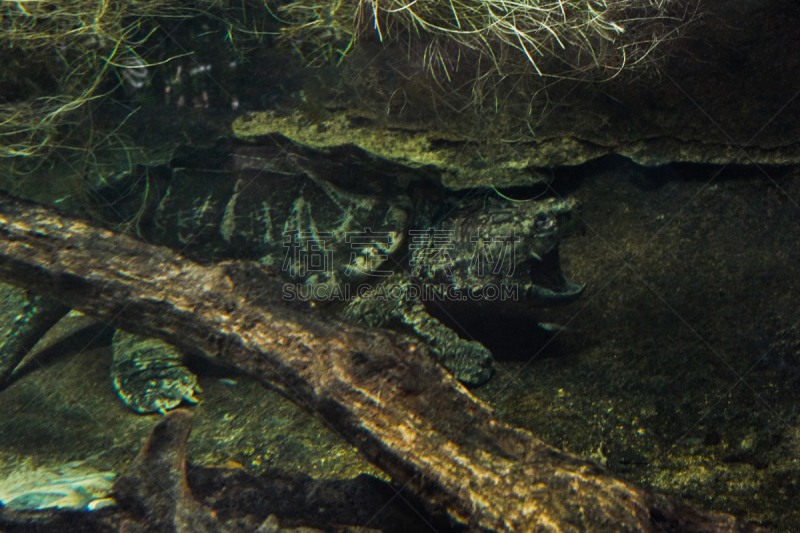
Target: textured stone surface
[[453, 159], [727, 93]]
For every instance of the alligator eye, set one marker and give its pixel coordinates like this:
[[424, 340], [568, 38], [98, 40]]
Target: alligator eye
[[543, 221]]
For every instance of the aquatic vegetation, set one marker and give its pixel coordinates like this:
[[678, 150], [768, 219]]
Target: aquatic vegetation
[[63, 56], [564, 38], [71, 486], [319, 32], [58, 53], [61, 59]]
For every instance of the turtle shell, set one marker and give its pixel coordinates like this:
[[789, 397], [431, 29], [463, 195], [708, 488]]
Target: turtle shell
[[312, 228]]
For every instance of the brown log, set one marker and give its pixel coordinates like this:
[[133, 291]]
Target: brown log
[[154, 488], [382, 393]]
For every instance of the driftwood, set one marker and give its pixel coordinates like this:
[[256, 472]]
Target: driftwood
[[382, 393], [155, 482]]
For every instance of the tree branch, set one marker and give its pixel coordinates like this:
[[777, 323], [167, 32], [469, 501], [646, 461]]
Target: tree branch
[[383, 394]]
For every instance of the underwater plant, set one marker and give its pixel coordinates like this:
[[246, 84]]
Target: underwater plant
[[564, 38], [58, 52], [61, 59], [74, 72]]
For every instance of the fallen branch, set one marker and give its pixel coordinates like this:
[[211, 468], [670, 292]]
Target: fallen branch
[[383, 394]]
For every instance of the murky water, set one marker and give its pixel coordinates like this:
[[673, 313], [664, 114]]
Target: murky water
[[609, 264]]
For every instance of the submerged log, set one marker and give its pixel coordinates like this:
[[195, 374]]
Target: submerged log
[[154, 486], [382, 393]]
